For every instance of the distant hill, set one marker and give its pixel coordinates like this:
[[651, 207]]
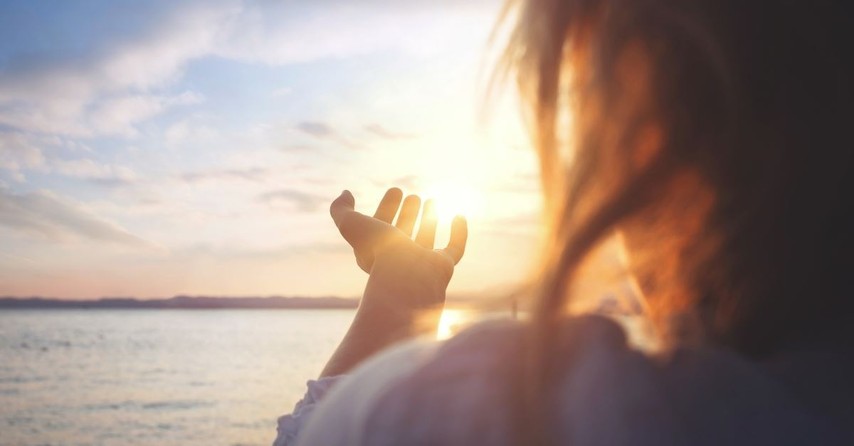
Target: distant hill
[[180, 302]]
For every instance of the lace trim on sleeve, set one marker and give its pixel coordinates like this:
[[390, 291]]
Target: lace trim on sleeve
[[290, 424]]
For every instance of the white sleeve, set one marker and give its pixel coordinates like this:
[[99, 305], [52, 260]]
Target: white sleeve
[[290, 425], [340, 418]]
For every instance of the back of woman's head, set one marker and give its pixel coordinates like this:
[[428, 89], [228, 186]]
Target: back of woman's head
[[715, 134]]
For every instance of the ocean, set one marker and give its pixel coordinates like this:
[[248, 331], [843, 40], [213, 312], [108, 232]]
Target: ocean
[[157, 377]]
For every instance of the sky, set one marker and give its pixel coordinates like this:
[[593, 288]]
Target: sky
[[152, 149]]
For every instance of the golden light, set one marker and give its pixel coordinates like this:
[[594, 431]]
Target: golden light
[[453, 198], [451, 322]]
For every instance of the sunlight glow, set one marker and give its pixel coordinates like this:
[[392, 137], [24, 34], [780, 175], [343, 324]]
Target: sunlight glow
[[450, 323], [455, 198]]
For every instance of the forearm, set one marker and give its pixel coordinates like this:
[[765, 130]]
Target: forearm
[[381, 320]]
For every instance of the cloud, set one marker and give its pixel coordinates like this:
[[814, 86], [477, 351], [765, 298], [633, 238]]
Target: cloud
[[17, 152], [276, 33], [203, 250], [110, 116], [249, 174], [117, 116], [56, 92], [301, 201], [190, 130], [94, 171], [316, 129], [75, 95], [20, 152], [45, 215], [321, 130], [382, 132]]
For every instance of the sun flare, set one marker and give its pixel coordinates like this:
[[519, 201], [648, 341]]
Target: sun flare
[[451, 322], [454, 198]]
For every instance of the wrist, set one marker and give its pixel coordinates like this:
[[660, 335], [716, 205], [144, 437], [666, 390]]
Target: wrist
[[404, 294], [388, 324]]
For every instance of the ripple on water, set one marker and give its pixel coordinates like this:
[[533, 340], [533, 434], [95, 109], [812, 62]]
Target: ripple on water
[[176, 405], [159, 377]]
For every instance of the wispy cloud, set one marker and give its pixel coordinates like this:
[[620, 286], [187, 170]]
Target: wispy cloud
[[110, 86], [335, 247], [17, 152], [300, 200], [248, 174], [20, 152], [223, 122], [382, 132], [191, 130], [46, 215], [316, 129], [119, 116], [47, 93], [324, 131], [94, 171], [278, 34]]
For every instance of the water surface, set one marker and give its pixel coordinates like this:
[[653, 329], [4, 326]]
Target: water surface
[[157, 377]]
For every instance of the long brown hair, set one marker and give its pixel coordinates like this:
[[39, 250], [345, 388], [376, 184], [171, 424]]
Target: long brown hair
[[719, 130]]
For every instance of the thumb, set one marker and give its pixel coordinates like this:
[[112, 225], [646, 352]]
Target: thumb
[[341, 207], [353, 226]]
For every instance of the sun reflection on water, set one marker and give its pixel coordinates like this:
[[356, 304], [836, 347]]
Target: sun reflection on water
[[451, 322]]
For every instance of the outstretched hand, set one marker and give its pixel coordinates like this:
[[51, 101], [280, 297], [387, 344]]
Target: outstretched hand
[[376, 237], [407, 279]]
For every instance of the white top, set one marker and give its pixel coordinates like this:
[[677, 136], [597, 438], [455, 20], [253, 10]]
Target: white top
[[458, 392]]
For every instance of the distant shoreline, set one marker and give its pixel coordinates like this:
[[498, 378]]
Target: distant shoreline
[[179, 303]]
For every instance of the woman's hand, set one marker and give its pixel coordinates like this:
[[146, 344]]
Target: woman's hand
[[406, 287], [376, 240]]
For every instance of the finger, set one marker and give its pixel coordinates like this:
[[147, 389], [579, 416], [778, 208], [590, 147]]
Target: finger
[[341, 207], [408, 214], [388, 206], [457, 244], [427, 229]]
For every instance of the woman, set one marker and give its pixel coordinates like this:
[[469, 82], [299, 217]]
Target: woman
[[712, 137]]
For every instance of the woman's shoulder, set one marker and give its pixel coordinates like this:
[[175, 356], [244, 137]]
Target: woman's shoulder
[[496, 349], [465, 391], [468, 391]]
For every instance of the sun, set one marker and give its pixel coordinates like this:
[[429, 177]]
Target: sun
[[454, 198]]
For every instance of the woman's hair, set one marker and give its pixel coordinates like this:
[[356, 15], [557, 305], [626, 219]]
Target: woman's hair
[[715, 133]]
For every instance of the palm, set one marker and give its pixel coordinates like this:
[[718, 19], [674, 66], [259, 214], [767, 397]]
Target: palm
[[370, 235]]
